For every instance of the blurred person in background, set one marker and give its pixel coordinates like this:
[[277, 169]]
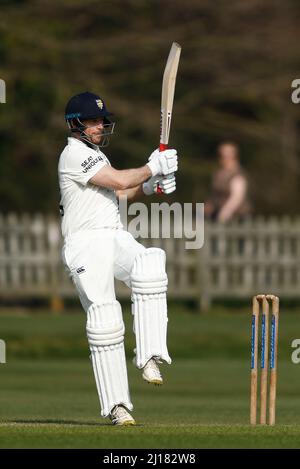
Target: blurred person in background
[[229, 192]]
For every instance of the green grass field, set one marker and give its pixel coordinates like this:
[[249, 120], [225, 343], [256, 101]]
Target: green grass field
[[48, 398]]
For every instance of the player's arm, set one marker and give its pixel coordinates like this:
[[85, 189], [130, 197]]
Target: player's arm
[[238, 189], [130, 194], [122, 179], [160, 163], [154, 185]]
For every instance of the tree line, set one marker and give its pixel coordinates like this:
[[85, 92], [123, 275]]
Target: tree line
[[238, 61]]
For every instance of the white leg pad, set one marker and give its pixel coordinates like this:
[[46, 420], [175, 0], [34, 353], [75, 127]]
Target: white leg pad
[[149, 285], [105, 333]]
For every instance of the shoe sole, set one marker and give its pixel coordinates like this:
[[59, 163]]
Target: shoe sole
[[157, 382], [126, 423]]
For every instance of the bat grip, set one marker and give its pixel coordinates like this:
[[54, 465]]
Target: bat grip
[[162, 147]]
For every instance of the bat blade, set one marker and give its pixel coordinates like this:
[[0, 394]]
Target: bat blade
[[167, 95]]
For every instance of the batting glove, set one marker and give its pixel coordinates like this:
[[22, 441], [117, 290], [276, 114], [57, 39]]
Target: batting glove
[[150, 186], [167, 185], [163, 162]]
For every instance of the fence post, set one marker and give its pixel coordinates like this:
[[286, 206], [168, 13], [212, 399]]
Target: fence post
[[53, 238], [203, 293]]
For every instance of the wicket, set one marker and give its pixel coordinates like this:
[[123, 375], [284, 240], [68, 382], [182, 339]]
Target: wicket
[[264, 301]]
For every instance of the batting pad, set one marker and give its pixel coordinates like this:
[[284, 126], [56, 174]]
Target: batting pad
[[105, 333], [149, 285]]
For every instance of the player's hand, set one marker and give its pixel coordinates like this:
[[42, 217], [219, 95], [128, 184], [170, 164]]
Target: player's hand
[[167, 184], [150, 186], [163, 162]]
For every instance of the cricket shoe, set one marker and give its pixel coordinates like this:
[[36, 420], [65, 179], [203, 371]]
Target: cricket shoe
[[120, 416], [151, 372]]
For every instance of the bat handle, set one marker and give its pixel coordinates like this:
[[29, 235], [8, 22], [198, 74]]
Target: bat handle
[[162, 147]]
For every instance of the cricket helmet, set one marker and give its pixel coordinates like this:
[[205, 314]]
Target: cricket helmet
[[88, 106]]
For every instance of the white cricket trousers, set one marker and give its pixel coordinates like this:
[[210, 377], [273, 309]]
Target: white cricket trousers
[[94, 259]]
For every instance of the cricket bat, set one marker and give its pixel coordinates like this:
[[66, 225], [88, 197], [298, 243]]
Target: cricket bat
[[167, 96]]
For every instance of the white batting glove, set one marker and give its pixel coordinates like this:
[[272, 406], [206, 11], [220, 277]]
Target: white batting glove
[[163, 162], [150, 186], [166, 184]]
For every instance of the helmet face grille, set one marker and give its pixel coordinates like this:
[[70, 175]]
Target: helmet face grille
[[76, 126]]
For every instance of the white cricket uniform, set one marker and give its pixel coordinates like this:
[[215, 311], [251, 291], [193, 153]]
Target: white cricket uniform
[[86, 207], [96, 250]]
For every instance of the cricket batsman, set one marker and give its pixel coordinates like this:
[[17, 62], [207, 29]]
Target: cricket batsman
[[97, 250]]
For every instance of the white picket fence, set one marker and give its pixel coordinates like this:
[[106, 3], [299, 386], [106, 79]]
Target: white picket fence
[[236, 261]]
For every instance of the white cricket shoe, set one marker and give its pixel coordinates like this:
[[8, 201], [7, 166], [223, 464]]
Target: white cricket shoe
[[151, 371], [120, 416]]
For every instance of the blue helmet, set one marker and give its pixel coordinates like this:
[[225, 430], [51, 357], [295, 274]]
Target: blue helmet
[[88, 106]]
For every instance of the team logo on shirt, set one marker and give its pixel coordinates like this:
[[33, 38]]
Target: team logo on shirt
[[99, 103], [90, 162], [80, 270]]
